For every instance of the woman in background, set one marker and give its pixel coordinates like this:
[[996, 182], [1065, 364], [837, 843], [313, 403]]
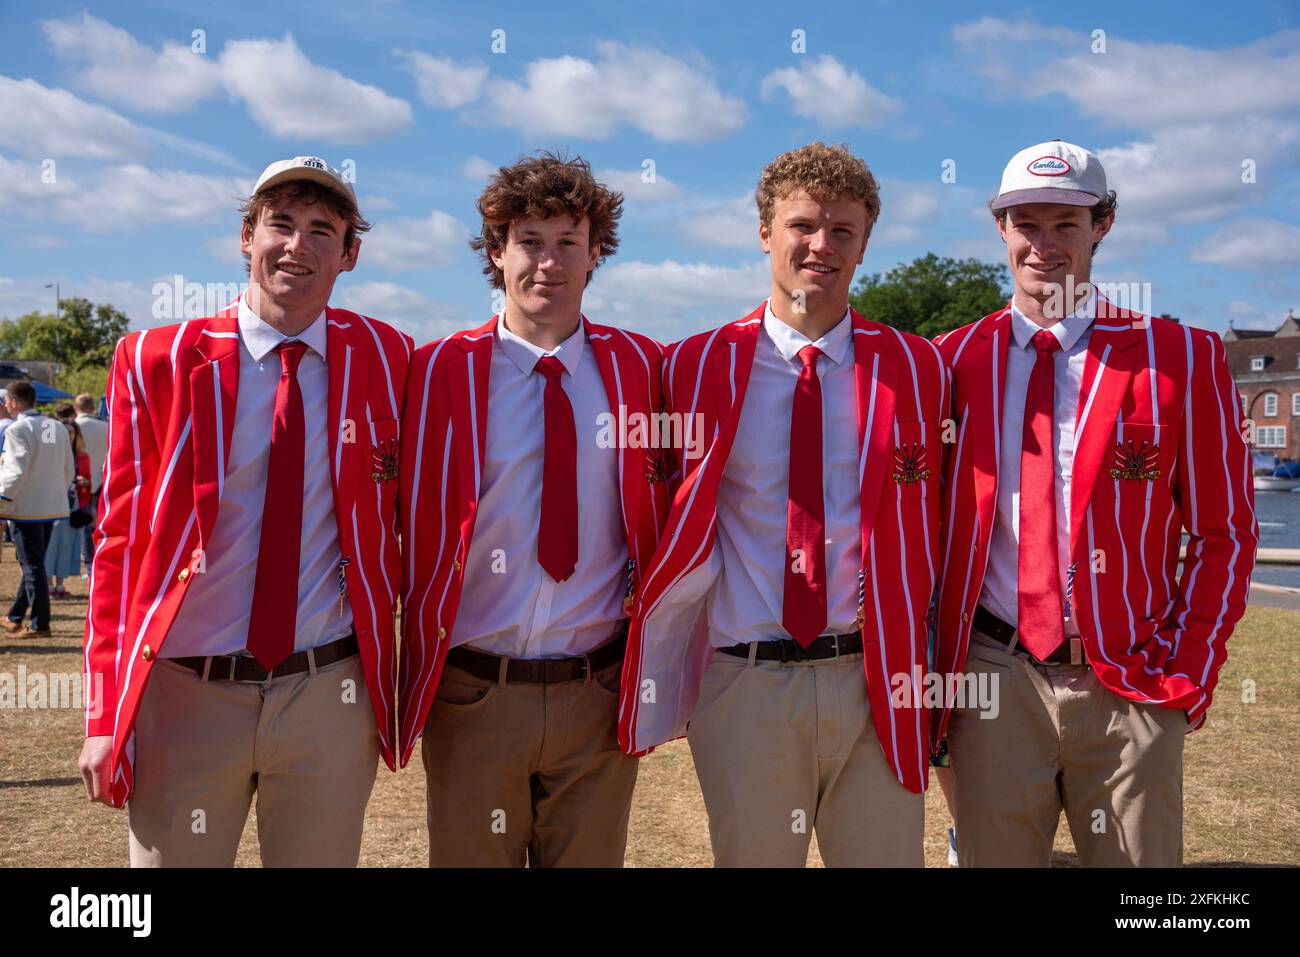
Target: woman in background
[[63, 557]]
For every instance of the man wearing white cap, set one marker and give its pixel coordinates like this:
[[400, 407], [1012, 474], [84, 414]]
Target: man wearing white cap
[[240, 635], [1089, 437]]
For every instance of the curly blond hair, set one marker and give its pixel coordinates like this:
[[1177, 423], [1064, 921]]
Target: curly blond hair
[[545, 185], [824, 172]]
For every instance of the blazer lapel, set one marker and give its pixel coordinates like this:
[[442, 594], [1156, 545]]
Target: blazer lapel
[[987, 362], [214, 388], [624, 387], [349, 425], [467, 383], [729, 368], [875, 380], [1107, 375]]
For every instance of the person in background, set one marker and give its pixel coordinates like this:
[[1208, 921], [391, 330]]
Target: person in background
[[5, 422], [63, 555], [35, 472], [94, 430]]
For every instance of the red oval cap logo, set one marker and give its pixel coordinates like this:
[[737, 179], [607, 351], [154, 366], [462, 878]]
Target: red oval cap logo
[[1049, 166]]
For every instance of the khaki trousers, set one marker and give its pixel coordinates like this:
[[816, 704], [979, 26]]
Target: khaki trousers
[[782, 748], [307, 744], [1063, 741], [526, 773]]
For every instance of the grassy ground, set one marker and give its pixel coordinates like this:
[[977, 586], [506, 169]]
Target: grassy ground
[[1242, 795]]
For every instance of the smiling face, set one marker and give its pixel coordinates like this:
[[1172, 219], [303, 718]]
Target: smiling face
[[814, 247], [295, 252], [1049, 247], [545, 264]]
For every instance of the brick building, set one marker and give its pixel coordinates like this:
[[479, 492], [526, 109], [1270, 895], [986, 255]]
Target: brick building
[[1266, 367]]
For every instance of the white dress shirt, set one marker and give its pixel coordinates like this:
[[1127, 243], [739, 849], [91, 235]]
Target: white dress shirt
[[1000, 594], [95, 433], [213, 619], [746, 601], [509, 605]]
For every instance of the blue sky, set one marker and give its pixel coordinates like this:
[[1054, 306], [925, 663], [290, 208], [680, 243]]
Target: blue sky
[[150, 143]]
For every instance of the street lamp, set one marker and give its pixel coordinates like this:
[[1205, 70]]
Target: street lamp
[[58, 301]]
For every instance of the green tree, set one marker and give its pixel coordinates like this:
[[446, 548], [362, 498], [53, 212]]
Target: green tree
[[932, 294], [83, 337]]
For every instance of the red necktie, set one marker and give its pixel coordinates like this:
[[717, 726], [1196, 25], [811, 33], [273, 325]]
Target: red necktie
[[557, 532], [803, 608], [272, 624], [1039, 605]]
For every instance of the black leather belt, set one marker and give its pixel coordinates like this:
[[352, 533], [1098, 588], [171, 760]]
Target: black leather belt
[[787, 649], [246, 668], [1068, 652], [539, 670]]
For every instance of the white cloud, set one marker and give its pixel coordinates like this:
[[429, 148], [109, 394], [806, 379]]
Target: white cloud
[[403, 245], [477, 168], [625, 86], [1256, 245], [632, 184], [119, 198], [369, 203], [1138, 84], [117, 67], [415, 314], [38, 121], [833, 95], [291, 97], [732, 224], [1240, 309], [225, 249], [443, 83], [672, 299]]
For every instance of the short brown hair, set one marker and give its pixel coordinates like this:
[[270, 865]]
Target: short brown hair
[[1101, 211], [22, 391], [85, 402], [308, 192], [545, 185], [823, 172]]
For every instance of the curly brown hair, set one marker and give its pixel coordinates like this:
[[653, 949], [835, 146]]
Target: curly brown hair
[[545, 185], [825, 173], [306, 191], [1103, 210]]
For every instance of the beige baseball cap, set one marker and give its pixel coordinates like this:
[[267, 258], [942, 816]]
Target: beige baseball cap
[[1052, 172], [305, 167]]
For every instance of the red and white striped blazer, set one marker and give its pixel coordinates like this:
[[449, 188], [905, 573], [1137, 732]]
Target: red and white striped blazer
[[1157, 449], [444, 435], [171, 396], [902, 393]]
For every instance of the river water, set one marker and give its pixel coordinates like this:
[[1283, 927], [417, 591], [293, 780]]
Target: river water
[[1278, 514]]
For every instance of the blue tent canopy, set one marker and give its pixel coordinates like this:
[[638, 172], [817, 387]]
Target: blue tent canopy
[[47, 393]]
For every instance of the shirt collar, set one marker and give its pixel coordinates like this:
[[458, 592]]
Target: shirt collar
[[260, 339], [1068, 331], [834, 345], [525, 354]]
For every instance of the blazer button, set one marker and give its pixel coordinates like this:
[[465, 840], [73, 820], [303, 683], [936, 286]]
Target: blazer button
[[965, 617], [455, 565], [147, 653], [185, 574], [442, 632]]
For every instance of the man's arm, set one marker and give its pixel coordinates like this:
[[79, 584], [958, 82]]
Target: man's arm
[[1218, 504], [121, 538], [14, 467]]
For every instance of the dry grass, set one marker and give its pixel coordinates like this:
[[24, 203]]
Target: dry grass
[[1241, 802]]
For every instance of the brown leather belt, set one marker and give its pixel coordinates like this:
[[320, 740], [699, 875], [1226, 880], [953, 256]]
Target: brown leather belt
[[246, 668], [1068, 652], [787, 649], [540, 670]]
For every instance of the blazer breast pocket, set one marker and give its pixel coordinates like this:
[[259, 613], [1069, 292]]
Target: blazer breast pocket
[[1138, 457], [382, 463], [914, 463]]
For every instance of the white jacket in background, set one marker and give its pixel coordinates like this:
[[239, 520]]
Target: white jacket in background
[[36, 469]]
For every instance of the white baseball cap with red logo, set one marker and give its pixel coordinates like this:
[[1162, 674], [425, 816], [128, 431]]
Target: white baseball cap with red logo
[[305, 167], [1053, 172]]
